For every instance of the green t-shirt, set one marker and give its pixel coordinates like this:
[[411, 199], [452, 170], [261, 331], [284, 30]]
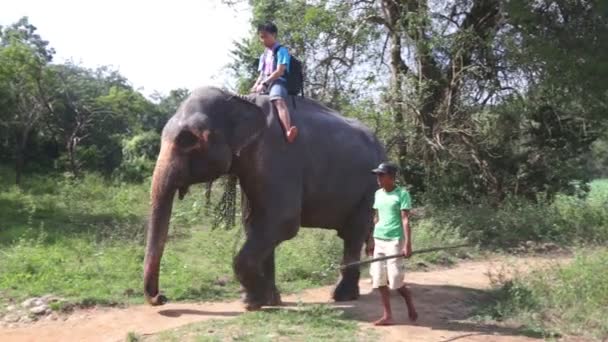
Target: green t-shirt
[[389, 206]]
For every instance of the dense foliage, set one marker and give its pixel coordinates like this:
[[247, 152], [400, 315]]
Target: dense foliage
[[65, 117], [474, 98], [561, 300]]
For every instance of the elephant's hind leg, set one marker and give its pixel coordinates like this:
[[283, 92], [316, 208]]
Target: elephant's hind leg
[[354, 235]]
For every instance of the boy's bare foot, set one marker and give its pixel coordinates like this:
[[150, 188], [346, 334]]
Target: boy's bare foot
[[384, 321], [413, 315], [292, 133]]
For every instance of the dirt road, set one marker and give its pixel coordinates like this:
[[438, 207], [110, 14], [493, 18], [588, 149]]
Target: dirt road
[[443, 299]]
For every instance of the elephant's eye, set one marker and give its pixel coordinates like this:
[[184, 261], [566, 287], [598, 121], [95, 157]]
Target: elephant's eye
[[186, 139]]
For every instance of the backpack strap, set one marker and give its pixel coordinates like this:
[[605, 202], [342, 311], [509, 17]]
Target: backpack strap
[[275, 57]]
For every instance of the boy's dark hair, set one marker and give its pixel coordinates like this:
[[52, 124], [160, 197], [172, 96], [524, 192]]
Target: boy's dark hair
[[268, 27]]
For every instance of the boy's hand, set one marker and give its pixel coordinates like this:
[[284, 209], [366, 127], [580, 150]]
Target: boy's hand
[[260, 88], [407, 250]]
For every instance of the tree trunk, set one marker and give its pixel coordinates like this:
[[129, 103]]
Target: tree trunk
[[392, 14], [71, 148], [20, 154], [18, 165]]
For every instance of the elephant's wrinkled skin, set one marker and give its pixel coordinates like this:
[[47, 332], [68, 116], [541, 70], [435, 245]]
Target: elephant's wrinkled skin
[[322, 180]]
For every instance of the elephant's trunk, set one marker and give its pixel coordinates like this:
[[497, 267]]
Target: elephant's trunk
[[162, 193]]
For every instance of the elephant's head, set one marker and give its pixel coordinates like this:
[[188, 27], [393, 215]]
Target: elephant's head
[[198, 145]]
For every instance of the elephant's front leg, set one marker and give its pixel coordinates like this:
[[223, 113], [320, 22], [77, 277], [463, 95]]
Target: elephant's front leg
[[274, 297], [249, 266]]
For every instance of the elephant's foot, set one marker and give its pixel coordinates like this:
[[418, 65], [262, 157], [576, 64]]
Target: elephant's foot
[[156, 300], [256, 302], [275, 298], [346, 291], [253, 306], [253, 302]]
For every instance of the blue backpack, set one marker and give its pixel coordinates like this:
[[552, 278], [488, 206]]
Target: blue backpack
[[295, 75]]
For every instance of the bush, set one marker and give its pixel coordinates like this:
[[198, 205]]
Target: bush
[[568, 220], [138, 156], [570, 299]]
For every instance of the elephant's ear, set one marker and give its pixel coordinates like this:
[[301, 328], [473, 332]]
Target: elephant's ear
[[247, 121]]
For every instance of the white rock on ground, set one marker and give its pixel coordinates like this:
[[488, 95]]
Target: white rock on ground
[[28, 303], [11, 318], [39, 310], [25, 319]]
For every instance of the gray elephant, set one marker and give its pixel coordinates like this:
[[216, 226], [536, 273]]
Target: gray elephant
[[321, 180]]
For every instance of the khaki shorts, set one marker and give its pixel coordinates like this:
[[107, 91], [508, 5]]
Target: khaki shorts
[[388, 272]]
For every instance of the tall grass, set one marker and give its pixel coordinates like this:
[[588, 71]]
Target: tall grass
[[568, 220], [568, 300], [84, 240]]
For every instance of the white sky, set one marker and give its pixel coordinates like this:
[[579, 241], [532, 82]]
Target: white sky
[[158, 45]]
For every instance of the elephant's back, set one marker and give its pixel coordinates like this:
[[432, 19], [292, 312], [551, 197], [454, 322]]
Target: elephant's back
[[319, 125]]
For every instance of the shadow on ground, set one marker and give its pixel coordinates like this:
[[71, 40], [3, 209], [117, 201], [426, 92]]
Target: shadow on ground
[[191, 312], [440, 307]]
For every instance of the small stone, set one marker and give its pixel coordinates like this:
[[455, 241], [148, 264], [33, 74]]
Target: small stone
[[11, 318], [11, 308], [39, 310], [26, 319], [30, 302], [550, 246], [47, 299], [51, 317]]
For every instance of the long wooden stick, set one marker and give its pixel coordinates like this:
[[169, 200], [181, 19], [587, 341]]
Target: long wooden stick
[[400, 255]]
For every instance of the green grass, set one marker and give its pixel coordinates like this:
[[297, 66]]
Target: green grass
[[84, 240], [569, 220], [307, 323], [562, 300]]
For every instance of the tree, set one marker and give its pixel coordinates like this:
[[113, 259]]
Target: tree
[[24, 79], [323, 38], [166, 107], [476, 94]]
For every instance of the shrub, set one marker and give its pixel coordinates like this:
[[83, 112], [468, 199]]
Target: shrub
[[138, 156], [570, 299]]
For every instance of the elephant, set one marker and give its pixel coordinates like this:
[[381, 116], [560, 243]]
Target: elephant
[[323, 180]]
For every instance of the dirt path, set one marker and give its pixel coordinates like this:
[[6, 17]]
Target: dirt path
[[443, 299]]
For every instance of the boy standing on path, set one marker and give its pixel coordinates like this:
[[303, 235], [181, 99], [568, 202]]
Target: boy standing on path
[[392, 235]]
